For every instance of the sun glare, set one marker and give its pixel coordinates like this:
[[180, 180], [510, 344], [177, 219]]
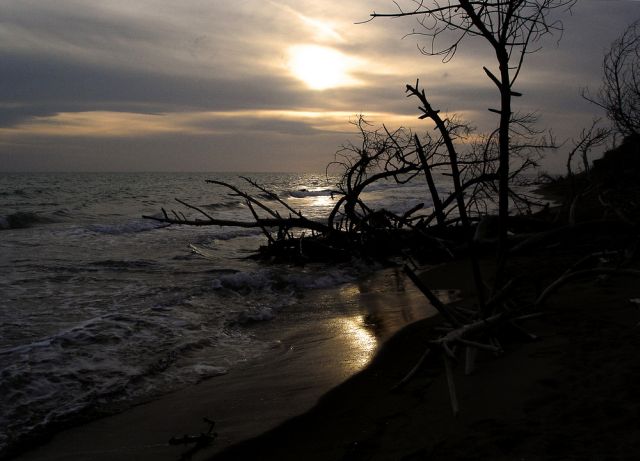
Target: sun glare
[[320, 67]]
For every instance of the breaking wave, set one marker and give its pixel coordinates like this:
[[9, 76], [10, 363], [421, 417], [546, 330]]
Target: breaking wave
[[100, 366], [224, 205], [273, 279], [304, 193]]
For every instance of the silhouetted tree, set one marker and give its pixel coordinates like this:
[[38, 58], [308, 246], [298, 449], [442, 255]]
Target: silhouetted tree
[[589, 139], [619, 94], [513, 29]]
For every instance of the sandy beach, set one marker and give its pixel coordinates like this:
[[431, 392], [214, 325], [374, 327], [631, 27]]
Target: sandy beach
[[326, 390], [258, 395], [570, 394]]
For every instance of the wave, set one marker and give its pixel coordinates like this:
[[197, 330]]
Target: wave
[[282, 281], [128, 227], [304, 193], [93, 369], [224, 205], [23, 220], [121, 264], [233, 234]]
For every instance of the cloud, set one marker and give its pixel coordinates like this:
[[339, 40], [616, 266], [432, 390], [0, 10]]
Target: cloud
[[91, 75], [104, 124]]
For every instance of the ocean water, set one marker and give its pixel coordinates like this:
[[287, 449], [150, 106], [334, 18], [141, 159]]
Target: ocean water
[[101, 309]]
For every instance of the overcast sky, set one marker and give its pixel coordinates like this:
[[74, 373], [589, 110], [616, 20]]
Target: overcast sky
[[248, 85]]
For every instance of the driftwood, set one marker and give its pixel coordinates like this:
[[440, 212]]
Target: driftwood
[[275, 227], [421, 361], [453, 397], [433, 299], [376, 233], [200, 441], [567, 277], [290, 223]]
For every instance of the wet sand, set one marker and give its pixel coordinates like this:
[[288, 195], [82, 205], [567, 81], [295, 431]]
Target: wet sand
[[323, 340]]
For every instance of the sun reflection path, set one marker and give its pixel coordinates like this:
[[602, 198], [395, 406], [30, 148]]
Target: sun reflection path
[[323, 201]]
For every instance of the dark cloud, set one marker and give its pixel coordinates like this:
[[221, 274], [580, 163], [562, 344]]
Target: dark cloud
[[37, 86], [188, 57]]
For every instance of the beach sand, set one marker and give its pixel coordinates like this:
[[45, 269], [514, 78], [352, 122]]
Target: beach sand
[[570, 394], [327, 337]]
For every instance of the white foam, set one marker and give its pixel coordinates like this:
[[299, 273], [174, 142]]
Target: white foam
[[304, 193], [206, 370], [281, 280]]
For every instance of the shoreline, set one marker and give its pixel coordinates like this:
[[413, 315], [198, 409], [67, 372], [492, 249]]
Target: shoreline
[[570, 394], [345, 328]]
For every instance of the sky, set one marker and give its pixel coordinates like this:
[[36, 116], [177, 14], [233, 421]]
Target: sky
[[248, 85]]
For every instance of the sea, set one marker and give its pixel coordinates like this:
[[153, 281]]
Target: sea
[[101, 309]]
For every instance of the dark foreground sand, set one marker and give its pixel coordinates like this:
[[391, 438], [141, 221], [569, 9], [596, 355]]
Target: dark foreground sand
[[572, 394]]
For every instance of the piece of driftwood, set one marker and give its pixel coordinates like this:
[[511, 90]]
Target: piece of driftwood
[[567, 277], [419, 364], [200, 441], [451, 384], [433, 299], [202, 438]]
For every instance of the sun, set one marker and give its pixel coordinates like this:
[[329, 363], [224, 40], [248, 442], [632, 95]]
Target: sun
[[320, 67]]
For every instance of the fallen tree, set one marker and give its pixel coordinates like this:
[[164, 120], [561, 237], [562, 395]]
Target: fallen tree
[[484, 171]]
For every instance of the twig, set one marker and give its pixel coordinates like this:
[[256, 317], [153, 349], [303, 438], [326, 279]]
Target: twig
[[182, 202], [413, 371], [255, 216], [451, 385], [272, 195], [245, 196]]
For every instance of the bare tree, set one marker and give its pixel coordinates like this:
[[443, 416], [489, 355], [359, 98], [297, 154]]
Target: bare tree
[[590, 138], [513, 29], [381, 155], [619, 94]]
